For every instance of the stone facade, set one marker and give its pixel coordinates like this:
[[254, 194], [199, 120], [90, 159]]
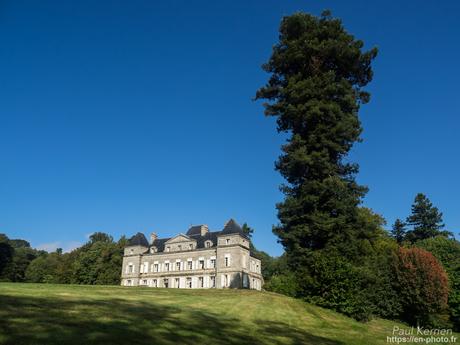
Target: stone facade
[[198, 259]]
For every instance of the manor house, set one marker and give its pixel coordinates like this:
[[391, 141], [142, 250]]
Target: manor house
[[197, 259]]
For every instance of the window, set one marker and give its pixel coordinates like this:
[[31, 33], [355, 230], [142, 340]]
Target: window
[[190, 246], [153, 250], [257, 268], [227, 261], [208, 244], [190, 265], [189, 282], [213, 281], [146, 267], [213, 263], [144, 282], [166, 283], [167, 266], [167, 249], [155, 283], [201, 264], [179, 247], [200, 282], [131, 251], [225, 280], [128, 282], [155, 267], [177, 282], [227, 241], [178, 266]]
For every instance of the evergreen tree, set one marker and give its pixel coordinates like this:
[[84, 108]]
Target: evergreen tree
[[425, 219], [318, 70], [398, 231], [247, 230]]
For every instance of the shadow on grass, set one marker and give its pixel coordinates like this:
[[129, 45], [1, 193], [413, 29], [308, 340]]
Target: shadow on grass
[[47, 321]]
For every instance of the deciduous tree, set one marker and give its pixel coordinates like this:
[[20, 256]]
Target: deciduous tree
[[422, 285]]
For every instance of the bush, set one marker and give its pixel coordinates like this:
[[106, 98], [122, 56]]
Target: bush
[[282, 283], [337, 284], [447, 251], [422, 285]]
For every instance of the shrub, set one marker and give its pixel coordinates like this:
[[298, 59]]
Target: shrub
[[447, 251], [422, 285], [282, 283]]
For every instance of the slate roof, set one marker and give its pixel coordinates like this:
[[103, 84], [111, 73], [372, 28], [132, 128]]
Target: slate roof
[[231, 227], [138, 240], [194, 230]]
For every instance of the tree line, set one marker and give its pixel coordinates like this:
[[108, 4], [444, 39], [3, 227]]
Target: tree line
[[337, 253], [98, 261]]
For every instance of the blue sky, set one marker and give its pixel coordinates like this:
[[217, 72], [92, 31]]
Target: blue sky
[[122, 116]]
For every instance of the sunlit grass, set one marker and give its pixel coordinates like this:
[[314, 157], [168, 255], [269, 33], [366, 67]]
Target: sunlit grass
[[71, 314]]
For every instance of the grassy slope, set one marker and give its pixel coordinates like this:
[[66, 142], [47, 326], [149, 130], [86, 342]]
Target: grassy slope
[[70, 314]]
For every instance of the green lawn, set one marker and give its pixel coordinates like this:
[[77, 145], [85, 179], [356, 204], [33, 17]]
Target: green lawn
[[69, 314]]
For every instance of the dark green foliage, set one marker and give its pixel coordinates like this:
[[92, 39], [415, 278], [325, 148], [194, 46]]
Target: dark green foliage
[[360, 290], [284, 283], [44, 269], [15, 271], [100, 263], [315, 93], [318, 72], [339, 285], [96, 262], [247, 230], [6, 255], [15, 257], [19, 243], [425, 219], [398, 231], [447, 251], [100, 237]]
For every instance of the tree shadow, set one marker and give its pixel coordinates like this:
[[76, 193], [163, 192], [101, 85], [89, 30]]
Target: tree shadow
[[48, 321], [281, 333]]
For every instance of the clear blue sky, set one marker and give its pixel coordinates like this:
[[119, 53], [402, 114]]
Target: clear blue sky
[[126, 116]]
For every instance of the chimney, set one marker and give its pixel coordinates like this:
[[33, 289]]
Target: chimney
[[204, 230], [153, 237]]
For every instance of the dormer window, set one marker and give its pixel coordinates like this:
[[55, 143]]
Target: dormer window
[[190, 246], [208, 244], [227, 241], [179, 247], [131, 251], [167, 249], [153, 250]]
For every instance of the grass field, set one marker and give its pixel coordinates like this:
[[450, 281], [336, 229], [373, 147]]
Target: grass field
[[69, 314]]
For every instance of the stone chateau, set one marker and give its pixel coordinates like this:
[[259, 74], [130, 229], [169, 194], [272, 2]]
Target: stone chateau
[[197, 259]]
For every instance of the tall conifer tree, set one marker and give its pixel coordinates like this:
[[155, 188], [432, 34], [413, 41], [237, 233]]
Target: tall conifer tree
[[318, 71]]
